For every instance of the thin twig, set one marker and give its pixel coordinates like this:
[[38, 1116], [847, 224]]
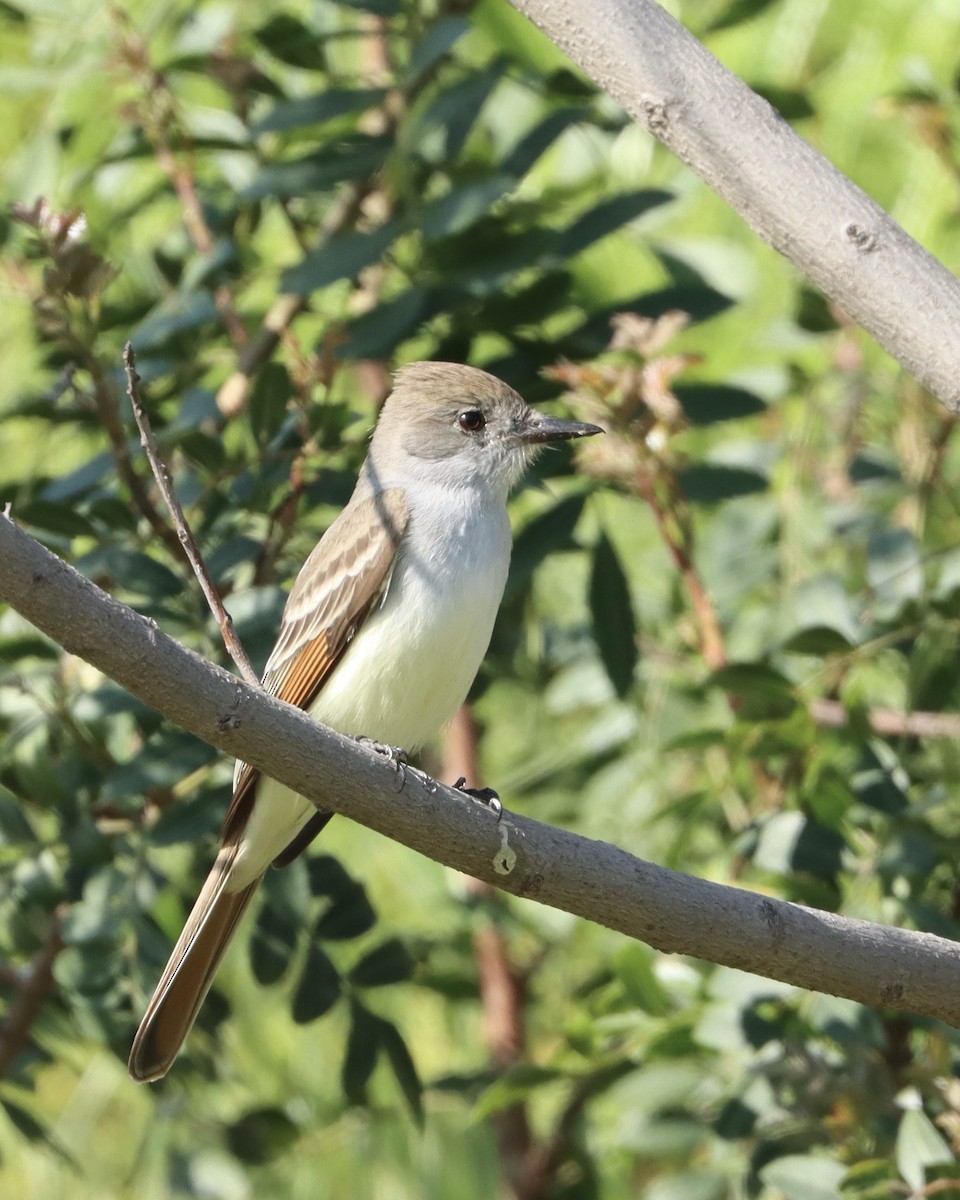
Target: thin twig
[[108, 410], [889, 722], [677, 542], [184, 534]]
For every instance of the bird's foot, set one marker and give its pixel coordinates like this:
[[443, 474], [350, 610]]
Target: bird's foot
[[485, 796], [394, 755]]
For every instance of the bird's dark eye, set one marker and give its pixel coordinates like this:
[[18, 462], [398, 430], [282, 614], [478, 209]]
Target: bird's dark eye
[[472, 420]]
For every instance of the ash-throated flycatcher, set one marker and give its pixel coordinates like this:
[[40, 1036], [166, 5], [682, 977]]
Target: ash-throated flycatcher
[[382, 635]]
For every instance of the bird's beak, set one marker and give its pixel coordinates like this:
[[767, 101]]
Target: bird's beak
[[537, 428]]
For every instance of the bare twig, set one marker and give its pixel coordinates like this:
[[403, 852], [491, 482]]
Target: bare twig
[[185, 536], [677, 538], [107, 405], [33, 988], [889, 722]]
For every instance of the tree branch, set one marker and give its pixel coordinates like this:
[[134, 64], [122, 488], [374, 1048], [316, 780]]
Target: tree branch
[[870, 963], [785, 190]]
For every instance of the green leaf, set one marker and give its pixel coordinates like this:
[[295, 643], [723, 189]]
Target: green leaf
[[444, 127], [24, 1122], [614, 627], [605, 218], [289, 40], [790, 841], [193, 820], [167, 757], [351, 158], [871, 1179], [436, 43], [272, 944], [382, 8], [342, 257], [819, 641], [79, 482], [893, 569], [550, 531], [15, 828], [363, 1046], [633, 967], [813, 312], [319, 987], [707, 403], [462, 207], [875, 786], [822, 614], [387, 963], [535, 143], [375, 334], [315, 109], [803, 1177], [131, 571], [762, 692], [404, 1068], [349, 916], [272, 390], [711, 483], [790, 103], [54, 518], [919, 1145], [328, 877], [874, 467], [261, 1135], [514, 1086], [172, 316]]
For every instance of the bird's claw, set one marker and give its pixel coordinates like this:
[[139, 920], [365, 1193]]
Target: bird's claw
[[486, 796], [395, 755]]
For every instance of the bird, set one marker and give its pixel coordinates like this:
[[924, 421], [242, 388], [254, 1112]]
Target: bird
[[381, 636]]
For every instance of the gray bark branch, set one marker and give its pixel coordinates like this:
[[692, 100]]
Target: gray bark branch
[[787, 192], [870, 963]]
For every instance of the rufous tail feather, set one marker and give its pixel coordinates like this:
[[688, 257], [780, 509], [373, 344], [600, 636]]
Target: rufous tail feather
[[189, 972]]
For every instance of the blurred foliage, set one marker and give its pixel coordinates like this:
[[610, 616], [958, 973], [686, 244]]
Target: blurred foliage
[[770, 522]]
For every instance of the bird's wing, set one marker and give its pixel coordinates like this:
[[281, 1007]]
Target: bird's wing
[[338, 585]]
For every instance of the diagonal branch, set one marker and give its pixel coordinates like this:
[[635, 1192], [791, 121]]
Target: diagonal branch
[[863, 961], [787, 192]]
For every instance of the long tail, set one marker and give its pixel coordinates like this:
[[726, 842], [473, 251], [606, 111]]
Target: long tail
[[190, 971]]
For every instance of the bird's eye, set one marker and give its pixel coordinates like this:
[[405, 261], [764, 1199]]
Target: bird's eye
[[472, 421]]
